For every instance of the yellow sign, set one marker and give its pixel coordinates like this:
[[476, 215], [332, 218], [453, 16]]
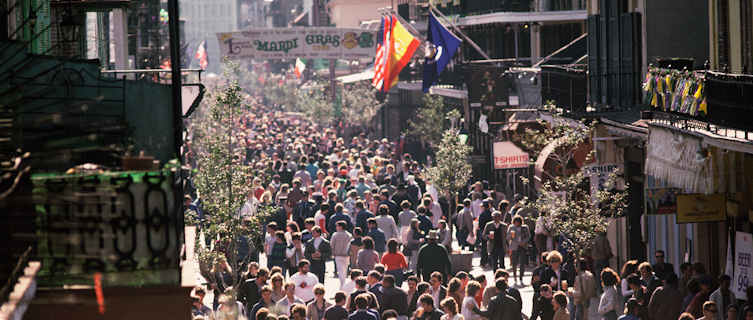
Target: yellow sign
[[693, 208]]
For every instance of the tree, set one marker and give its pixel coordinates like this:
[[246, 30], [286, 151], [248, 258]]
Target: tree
[[222, 179], [453, 168], [359, 103], [427, 125], [566, 200]]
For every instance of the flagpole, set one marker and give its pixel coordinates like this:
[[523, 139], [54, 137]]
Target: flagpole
[[471, 42]]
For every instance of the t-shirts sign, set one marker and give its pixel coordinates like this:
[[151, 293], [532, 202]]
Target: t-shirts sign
[[508, 156], [743, 272]]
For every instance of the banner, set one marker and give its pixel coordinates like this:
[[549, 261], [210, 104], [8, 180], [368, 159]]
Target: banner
[[701, 208], [508, 156], [304, 43], [661, 200], [743, 269]]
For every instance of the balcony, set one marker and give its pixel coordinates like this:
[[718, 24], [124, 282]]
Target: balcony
[[700, 100]]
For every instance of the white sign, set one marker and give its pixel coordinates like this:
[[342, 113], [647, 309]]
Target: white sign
[[599, 175], [508, 156], [743, 268], [304, 43]]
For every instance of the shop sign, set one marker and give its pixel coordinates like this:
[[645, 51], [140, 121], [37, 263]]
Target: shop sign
[[743, 272], [599, 176], [304, 43], [701, 208], [661, 200], [508, 156]]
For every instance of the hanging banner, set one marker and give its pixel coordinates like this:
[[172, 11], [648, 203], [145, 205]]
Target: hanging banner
[[693, 208], [743, 268], [292, 43], [661, 200], [508, 156]]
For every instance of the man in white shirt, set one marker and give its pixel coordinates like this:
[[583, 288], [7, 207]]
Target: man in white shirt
[[304, 281]]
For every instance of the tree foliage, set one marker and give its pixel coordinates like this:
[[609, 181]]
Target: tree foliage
[[427, 125], [453, 168], [566, 200]]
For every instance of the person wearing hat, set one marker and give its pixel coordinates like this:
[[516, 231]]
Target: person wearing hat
[[433, 257], [495, 233]]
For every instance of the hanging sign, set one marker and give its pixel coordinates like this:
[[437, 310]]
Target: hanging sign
[[304, 43], [661, 200], [701, 208], [508, 156], [743, 272]]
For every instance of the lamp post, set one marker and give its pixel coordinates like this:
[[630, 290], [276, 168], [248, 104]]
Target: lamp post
[[69, 30]]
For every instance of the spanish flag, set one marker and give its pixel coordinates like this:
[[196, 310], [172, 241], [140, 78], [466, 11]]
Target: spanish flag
[[403, 45]]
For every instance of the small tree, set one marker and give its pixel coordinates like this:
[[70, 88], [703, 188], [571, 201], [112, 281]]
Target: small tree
[[222, 178], [453, 168], [570, 207], [427, 125], [359, 103]]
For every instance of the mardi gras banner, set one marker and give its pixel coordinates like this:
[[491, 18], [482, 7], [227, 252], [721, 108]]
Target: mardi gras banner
[[292, 43]]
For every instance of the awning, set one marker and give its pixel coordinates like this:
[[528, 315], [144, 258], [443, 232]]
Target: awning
[[367, 74], [678, 159]]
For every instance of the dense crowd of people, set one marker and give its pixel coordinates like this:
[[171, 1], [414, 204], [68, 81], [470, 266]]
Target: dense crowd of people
[[367, 206]]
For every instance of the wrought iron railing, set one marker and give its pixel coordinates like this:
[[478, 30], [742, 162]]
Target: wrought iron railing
[[126, 225], [566, 87]]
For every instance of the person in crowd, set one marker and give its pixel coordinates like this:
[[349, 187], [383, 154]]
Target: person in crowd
[[298, 312], [469, 301], [433, 257], [222, 278], [501, 306], [356, 244], [427, 309], [340, 243], [710, 311], [464, 223], [393, 298], [630, 267], [662, 269], [445, 237], [450, 309], [304, 281], [197, 304], [395, 262], [610, 303], [543, 307], [337, 311], [318, 251], [421, 289], [455, 290], [367, 257], [649, 280], [363, 215], [405, 217], [316, 308], [686, 316], [495, 234], [686, 273], [278, 286], [337, 217], [350, 284], [249, 291], [693, 288], [560, 306], [723, 296], [386, 223], [362, 312], [374, 280], [731, 312], [361, 284], [632, 310], [640, 294], [437, 290], [294, 252], [557, 277], [265, 302], [666, 302], [484, 217], [517, 238], [278, 251], [414, 241], [229, 308], [583, 290], [696, 304], [377, 236], [284, 305]]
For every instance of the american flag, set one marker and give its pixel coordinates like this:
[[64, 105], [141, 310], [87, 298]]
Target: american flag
[[201, 55], [383, 44]]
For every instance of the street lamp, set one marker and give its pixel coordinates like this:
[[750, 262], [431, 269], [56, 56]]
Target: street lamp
[[69, 29]]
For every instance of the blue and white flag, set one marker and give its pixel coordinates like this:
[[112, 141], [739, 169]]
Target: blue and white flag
[[441, 47]]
